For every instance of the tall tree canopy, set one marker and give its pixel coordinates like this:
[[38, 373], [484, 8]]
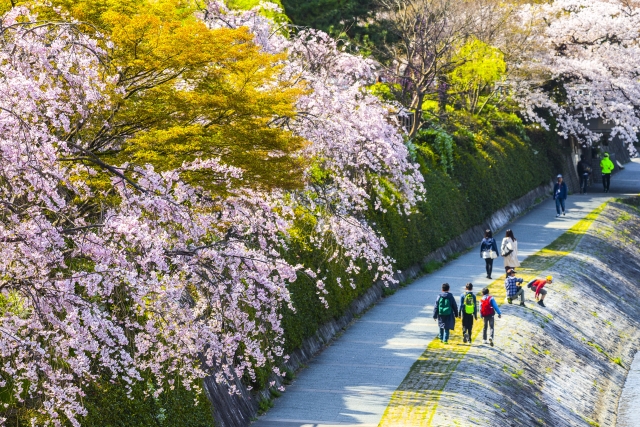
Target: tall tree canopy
[[156, 158]]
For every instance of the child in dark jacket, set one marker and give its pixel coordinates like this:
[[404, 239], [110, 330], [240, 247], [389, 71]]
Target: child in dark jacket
[[468, 312], [445, 312]]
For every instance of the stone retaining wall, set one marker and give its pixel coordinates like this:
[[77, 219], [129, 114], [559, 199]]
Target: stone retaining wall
[[563, 365]]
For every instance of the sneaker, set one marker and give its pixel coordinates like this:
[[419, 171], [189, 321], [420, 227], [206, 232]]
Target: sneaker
[[488, 277], [541, 303], [484, 342], [465, 337], [557, 215], [445, 342], [491, 342], [563, 214], [509, 300], [522, 304]]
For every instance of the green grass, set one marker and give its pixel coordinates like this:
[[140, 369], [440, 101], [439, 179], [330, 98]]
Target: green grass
[[431, 266]]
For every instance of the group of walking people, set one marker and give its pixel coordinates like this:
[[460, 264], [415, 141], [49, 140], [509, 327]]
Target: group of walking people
[[585, 170], [508, 250], [560, 190], [446, 309]]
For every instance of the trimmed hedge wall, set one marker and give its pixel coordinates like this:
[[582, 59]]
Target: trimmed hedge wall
[[494, 161], [108, 406]]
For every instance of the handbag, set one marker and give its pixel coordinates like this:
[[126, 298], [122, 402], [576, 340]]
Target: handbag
[[507, 249], [490, 254]]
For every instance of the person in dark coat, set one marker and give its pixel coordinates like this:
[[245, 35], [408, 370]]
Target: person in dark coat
[[487, 246], [468, 312], [445, 312], [584, 170], [560, 194]]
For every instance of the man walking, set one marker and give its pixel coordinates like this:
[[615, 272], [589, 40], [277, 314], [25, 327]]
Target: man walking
[[514, 290], [468, 312], [488, 309], [445, 312], [537, 285], [559, 195], [584, 170], [606, 165]]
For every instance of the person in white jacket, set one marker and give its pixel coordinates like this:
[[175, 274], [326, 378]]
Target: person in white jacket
[[509, 251]]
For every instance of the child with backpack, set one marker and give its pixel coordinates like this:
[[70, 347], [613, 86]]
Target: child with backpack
[[468, 312], [488, 309], [445, 312]]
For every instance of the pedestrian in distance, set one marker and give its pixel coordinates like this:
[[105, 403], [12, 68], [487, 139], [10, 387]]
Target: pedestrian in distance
[[606, 166], [488, 251], [509, 251], [488, 309], [468, 312], [445, 312], [584, 170], [560, 195], [514, 290], [537, 285]]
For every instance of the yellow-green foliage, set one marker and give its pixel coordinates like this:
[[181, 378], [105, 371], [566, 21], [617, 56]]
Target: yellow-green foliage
[[479, 66], [250, 4], [185, 91]]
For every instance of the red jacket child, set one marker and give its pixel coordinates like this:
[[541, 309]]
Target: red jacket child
[[537, 286]]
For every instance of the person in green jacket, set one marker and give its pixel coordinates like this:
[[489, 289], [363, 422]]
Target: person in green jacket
[[607, 167]]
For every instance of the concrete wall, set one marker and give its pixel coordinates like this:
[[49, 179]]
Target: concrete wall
[[238, 410], [564, 365]]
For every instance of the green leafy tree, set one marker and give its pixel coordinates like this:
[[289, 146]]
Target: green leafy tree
[[480, 67], [184, 91]]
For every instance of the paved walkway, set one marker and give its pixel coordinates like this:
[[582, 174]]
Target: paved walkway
[[350, 383]]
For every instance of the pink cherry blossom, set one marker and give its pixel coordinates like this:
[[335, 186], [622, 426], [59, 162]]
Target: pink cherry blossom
[[169, 281]]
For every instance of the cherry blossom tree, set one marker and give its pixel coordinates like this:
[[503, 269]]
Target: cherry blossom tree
[[358, 155], [585, 66], [167, 280]]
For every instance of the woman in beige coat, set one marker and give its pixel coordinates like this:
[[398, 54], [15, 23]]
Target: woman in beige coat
[[509, 251]]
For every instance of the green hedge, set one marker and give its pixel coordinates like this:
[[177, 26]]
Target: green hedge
[[108, 406], [495, 160], [492, 166]]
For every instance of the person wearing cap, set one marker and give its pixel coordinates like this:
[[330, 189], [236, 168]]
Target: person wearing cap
[[514, 290], [537, 286], [559, 195], [606, 165]]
